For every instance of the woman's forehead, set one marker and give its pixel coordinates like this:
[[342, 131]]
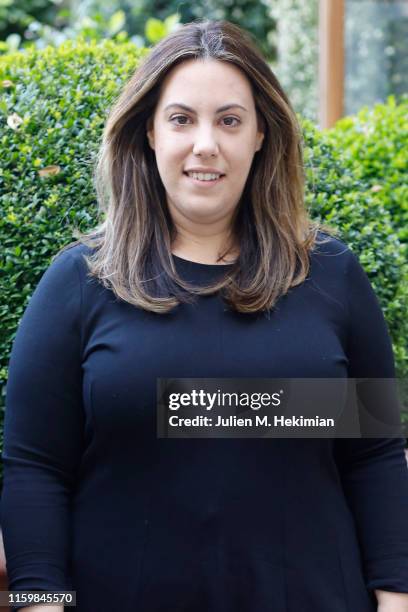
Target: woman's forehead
[[198, 83]]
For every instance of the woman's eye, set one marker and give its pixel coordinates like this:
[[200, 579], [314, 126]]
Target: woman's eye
[[234, 119], [176, 117], [179, 117]]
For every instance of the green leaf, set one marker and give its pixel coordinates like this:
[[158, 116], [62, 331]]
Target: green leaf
[[116, 22], [155, 30]]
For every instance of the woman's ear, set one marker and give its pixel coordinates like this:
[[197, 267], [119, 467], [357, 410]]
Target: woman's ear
[[150, 132], [259, 140], [260, 135]]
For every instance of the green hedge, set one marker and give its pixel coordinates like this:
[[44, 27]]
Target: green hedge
[[53, 107], [374, 143]]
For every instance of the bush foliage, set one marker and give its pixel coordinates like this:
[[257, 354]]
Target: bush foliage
[[374, 142]]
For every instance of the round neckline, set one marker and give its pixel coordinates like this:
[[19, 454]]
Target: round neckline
[[202, 265]]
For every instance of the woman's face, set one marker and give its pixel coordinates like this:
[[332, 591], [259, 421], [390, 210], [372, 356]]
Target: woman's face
[[204, 136]]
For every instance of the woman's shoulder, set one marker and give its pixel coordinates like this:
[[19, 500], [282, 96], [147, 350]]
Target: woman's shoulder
[[331, 256], [329, 245], [329, 250], [74, 250], [66, 265], [72, 256]]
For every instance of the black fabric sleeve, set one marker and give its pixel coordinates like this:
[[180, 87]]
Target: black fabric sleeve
[[374, 471], [43, 432]]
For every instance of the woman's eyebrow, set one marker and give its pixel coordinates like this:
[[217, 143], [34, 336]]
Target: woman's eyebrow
[[191, 110]]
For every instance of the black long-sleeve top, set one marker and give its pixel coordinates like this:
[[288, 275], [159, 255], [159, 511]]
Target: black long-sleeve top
[[94, 501]]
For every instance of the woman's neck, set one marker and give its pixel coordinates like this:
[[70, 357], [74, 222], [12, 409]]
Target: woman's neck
[[205, 253]]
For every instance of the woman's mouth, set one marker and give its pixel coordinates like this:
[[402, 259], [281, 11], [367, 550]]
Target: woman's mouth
[[203, 182]]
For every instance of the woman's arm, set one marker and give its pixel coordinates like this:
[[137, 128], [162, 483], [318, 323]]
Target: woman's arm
[[43, 433], [374, 471]]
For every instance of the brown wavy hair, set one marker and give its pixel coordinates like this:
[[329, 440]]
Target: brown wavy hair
[[132, 246]]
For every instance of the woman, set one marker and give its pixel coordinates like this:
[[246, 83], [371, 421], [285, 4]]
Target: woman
[[206, 265]]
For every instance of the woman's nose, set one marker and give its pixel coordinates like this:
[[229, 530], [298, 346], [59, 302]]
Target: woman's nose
[[205, 142]]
